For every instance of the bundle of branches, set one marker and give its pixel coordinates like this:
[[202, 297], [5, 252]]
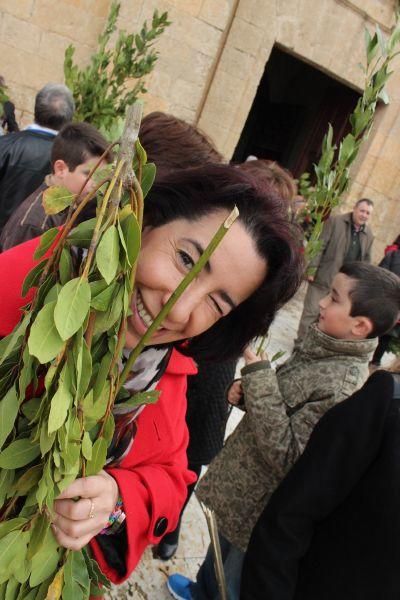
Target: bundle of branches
[[60, 373], [102, 90], [332, 171]]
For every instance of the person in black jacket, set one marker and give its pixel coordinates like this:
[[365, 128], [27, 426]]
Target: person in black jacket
[[8, 124], [25, 156], [331, 531], [391, 262]]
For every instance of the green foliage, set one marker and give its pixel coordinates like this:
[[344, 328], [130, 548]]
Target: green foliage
[[114, 78], [332, 171]]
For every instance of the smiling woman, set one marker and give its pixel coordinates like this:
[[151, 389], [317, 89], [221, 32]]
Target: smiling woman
[[252, 273]]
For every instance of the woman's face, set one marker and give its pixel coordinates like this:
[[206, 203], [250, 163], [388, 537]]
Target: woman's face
[[233, 273]]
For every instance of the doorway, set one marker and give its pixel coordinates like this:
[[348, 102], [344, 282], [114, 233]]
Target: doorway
[[291, 111]]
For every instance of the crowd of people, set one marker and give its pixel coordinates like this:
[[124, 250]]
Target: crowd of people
[[305, 489]]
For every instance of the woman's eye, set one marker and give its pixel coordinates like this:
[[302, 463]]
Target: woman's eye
[[186, 259], [217, 306]]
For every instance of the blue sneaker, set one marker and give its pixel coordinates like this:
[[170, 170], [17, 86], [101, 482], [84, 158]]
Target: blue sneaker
[[179, 587]]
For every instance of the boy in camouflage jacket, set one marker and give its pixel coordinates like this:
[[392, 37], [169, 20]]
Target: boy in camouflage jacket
[[283, 407]]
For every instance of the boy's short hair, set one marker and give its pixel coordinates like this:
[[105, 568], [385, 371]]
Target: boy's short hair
[[76, 143], [375, 295]]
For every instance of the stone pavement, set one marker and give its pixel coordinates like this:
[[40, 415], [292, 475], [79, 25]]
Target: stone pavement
[[148, 580]]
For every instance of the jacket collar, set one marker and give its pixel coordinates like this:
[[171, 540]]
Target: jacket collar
[[317, 344]]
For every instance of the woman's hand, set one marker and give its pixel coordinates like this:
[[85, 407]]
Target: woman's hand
[[235, 393], [76, 522], [251, 357]]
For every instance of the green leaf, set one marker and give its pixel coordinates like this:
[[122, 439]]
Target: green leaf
[[72, 306], [8, 414], [71, 589], [148, 177], [6, 482], [12, 525], [106, 320], [131, 238], [33, 277], [83, 366], [55, 199], [12, 589], [46, 240], [81, 236], [99, 455], [8, 344], [44, 563], [140, 152], [38, 534], [87, 446], [65, 266], [94, 411], [60, 403], [107, 254], [102, 301], [80, 571], [18, 454], [44, 341], [149, 397], [30, 408], [28, 480], [46, 440], [109, 428], [11, 545]]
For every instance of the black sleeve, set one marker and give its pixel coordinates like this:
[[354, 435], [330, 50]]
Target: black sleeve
[[386, 261], [9, 117], [339, 451]]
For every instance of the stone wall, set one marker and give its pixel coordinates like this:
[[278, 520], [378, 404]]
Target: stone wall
[[211, 61]]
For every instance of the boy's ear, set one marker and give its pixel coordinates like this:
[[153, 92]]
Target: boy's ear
[[60, 168], [362, 327]]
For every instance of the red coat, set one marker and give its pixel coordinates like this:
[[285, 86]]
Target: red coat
[[153, 478]]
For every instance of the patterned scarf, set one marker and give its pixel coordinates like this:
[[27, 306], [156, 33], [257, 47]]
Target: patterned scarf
[[145, 375]]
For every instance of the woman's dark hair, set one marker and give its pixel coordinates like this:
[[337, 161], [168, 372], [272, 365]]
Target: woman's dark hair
[[171, 143], [194, 193], [375, 295]]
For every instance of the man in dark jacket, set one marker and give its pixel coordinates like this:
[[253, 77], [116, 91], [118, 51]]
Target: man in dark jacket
[[25, 156], [331, 529], [345, 238]]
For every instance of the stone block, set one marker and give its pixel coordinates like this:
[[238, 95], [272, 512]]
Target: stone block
[[257, 11], [192, 7], [184, 113], [20, 34], [159, 83], [383, 175], [286, 32], [152, 103], [197, 34], [287, 8], [216, 13], [74, 23], [236, 63], [245, 36], [52, 47], [21, 9], [380, 10], [185, 94]]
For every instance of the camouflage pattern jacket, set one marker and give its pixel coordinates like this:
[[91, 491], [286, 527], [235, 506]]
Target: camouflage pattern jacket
[[282, 409]]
